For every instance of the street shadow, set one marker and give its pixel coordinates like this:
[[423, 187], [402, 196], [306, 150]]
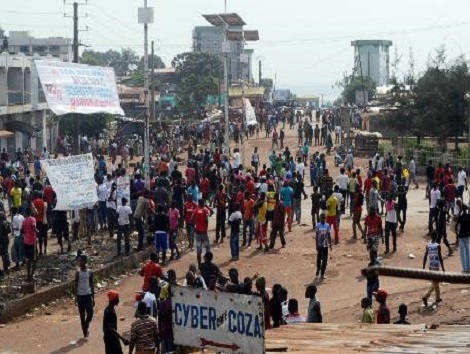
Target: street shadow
[[70, 347]]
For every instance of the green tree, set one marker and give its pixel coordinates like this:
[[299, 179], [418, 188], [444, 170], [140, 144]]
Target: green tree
[[90, 125], [91, 57], [350, 84], [119, 61], [158, 62], [2, 32], [198, 76], [441, 96]]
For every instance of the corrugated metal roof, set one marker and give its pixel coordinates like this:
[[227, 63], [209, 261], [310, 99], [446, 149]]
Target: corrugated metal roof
[[358, 338]]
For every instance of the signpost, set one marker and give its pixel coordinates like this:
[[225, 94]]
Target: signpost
[[73, 181], [223, 322]]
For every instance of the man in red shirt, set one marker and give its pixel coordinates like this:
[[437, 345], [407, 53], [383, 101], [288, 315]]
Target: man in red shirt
[[368, 186], [383, 312], [188, 211], [450, 192], [29, 242], [149, 270], [373, 230], [216, 157], [49, 196], [250, 185], [38, 212], [205, 186], [190, 173], [201, 224], [248, 220]]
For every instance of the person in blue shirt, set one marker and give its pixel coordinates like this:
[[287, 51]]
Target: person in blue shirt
[[287, 194], [305, 150], [193, 191], [323, 235], [37, 166]]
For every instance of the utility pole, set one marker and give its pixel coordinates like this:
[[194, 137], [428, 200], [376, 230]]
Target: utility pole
[[260, 73], [75, 60], [227, 135], [146, 17], [152, 79]]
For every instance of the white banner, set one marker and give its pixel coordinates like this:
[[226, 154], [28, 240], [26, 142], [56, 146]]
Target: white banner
[[123, 189], [225, 322], [72, 179], [250, 115], [78, 88]]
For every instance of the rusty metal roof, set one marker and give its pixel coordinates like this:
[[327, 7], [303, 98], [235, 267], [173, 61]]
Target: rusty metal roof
[[361, 338]]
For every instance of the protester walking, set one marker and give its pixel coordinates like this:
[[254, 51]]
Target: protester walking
[[112, 338], [323, 243], [84, 294], [433, 257]]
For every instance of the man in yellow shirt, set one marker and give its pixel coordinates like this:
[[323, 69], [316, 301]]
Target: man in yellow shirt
[[261, 222], [331, 210], [16, 193], [271, 202]]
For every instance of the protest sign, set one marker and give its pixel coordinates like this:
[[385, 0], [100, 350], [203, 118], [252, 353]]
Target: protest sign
[[224, 322], [123, 189], [78, 88], [72, 179]]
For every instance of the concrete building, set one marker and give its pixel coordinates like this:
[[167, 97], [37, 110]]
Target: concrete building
[[209, 39], [23, 107], [372, 59], [23, 42]]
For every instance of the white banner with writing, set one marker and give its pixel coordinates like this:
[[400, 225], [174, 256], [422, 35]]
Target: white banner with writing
[[72, 179], [123, 189], [224, 322], [78, 88]]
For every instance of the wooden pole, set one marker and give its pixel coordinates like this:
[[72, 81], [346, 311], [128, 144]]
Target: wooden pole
[[409, 273]]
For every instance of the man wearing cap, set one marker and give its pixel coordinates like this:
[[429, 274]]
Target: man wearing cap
[[383, 312], [84, 294], [111, 335], [144, 332]]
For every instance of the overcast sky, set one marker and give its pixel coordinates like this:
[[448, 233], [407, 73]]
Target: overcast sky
[[306, 42]]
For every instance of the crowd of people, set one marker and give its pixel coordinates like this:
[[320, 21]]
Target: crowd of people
[[261, 202]]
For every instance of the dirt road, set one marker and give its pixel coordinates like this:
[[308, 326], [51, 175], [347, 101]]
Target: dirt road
[[294, 267]]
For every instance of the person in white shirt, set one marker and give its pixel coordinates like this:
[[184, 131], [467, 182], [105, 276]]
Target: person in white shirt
[[412, 171], [337, 134], [342, 181], [461, 182], [17, 251], [390, 223], [124, 212], [236, 159], [293, 317], [300, 167], [340, 207], [150, 297], [435, 195], [102, 192]]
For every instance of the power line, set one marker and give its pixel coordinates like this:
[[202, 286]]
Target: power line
[[31, 12], [413, 30]]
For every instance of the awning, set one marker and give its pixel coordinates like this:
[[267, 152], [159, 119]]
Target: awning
[[20, 126], [6, 134]]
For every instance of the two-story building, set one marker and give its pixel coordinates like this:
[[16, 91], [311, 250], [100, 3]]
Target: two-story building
[[23, 107]]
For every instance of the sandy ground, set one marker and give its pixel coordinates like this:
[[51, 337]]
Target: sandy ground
[[59, 331]]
